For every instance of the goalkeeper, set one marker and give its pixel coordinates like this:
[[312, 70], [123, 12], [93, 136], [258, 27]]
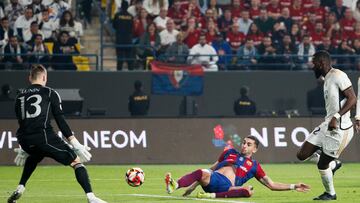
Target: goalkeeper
[[38, 139]]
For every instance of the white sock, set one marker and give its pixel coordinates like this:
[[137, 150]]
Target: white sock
[[327, 180], [20, 188], [332, 165], [90, 195]]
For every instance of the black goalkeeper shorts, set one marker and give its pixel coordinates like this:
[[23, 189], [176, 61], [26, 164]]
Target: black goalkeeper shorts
[[48, 145]]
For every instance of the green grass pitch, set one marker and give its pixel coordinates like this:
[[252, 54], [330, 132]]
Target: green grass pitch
[[57, 184]]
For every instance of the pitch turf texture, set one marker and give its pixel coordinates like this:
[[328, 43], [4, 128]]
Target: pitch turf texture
[[50, 184]]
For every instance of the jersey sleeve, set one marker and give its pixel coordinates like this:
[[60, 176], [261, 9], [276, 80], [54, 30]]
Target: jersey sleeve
[[343, 81], [58, 113], [226, 155], [259, 172]]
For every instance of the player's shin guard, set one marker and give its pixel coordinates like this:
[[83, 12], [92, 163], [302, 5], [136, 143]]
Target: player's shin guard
[[190, 178], [327, 180], [234, 193], [82, 177]]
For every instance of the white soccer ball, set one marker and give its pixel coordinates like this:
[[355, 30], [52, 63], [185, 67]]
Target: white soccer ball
[[135, 177]]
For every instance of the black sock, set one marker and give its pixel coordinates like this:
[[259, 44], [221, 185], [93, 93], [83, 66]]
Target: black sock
[[29, 167], [82, 177]]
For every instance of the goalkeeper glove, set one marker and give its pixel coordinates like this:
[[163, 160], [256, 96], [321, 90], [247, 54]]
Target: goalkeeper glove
[[20, 157], [81, 150]]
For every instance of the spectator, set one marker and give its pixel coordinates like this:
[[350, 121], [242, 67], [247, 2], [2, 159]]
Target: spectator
[[305, 52], [267, 53], [139, 102], [48, 27], [338, 9], [265, 3], [117, 5], [68, 24], [244, 106], [177, 52], [318, 10], [5, 32], [357, 11], [23, 22], [315, 99], [39, 53], [63, 51], [153, 6], [347, 23], [204, 54], [177, 13], [254, 9], [136, 8], [274, 9], [244, 22], [215, 8], [356, 46], [161, 20], [356, 33], [123, 25], [309, 25], [57, 8], [225, 21], [85, 10], [235, 38], [191, 9], [37, 6], [168, 35], [330, 21], [287, 50], [13, 11], [192, 33], [336, 35], [236, 8], [285, 18], [247, 55], [223, 50], [318, 34], [255, 34], [307, 4], [15, 54], [264, 23], [149, 42], [297, 11], [25, 3], [140, 24], [295, 33], [6, 90], [326, 45], [344, 61], [211, 31], [278, 33], [29, 35], [209, 16]]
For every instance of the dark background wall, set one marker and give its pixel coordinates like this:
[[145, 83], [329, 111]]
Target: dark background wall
[[110, 90]]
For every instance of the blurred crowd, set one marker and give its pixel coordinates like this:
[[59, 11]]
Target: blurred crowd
[[239, 34], [38, 31]]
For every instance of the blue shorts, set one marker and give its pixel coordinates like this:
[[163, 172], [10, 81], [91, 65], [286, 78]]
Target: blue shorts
[[218, 183]]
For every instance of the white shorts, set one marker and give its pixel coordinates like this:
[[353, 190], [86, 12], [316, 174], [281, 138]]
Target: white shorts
[[332, 142]]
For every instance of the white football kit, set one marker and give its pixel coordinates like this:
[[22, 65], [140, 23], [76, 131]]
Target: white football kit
[[334, 142]]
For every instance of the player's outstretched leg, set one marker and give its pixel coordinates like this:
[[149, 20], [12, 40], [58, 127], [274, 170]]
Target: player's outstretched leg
[[326, 178], [16, 194], [83, 179], [186, 181], [245, 191]]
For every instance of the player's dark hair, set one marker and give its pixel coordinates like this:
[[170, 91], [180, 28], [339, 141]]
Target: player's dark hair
[[255, 140], [36, 70], [323, 56]]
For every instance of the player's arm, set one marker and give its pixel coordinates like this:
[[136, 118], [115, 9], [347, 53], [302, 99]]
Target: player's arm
[[276, 186], [59, 114], [357, 116], [213, 167], [350, 102]]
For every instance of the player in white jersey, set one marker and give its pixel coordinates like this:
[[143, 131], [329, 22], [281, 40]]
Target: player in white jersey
[[335, 133]]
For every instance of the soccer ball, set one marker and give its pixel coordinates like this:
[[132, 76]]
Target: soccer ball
[[135, 177]]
